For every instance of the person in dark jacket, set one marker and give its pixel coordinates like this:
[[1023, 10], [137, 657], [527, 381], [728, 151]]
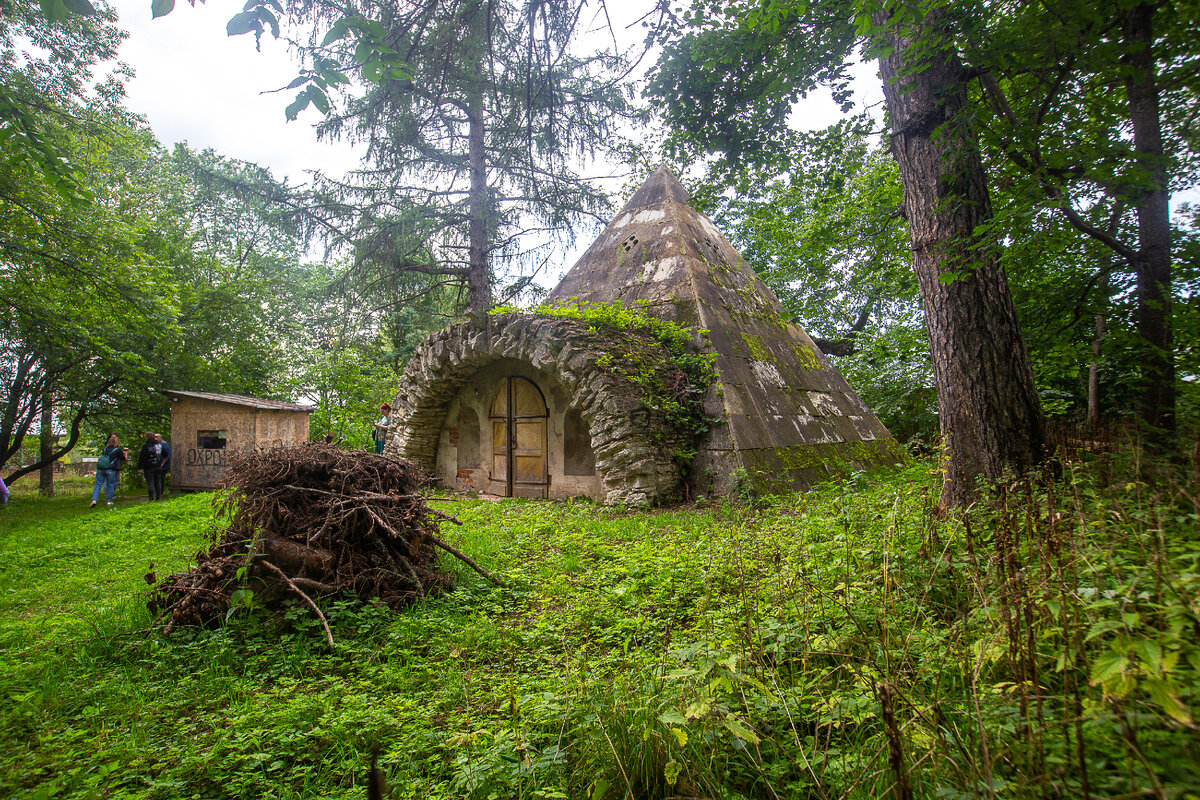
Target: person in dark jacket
[[150, 463], [108, 470], [165, 467]]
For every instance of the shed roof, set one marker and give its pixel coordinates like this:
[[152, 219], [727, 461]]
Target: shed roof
[[241, 400]]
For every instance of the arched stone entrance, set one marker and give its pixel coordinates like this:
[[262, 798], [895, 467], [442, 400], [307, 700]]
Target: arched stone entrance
[[626, 448]]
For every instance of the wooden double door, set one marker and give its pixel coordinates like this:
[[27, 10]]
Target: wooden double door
[[519, 419]]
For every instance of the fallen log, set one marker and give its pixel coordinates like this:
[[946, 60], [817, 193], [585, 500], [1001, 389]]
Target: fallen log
[[295, 558]]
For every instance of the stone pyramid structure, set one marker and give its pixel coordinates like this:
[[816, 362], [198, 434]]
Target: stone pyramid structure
[[788, 417]]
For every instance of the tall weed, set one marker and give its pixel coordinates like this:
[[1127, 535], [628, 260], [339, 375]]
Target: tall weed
[[851, 642]]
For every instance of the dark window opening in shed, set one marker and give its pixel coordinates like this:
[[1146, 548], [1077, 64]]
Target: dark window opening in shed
[[468, 439], [210, 440], [578, 458]]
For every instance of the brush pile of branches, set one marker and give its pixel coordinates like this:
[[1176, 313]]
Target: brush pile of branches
[[309, 522]]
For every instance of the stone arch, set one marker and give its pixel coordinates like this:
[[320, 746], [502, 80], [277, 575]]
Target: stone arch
[[632, 450]]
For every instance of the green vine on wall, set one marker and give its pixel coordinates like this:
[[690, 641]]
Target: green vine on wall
[[659, 359]]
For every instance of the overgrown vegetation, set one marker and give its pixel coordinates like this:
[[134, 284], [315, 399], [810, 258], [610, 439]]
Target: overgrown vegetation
[[813, 645], [658, 358]]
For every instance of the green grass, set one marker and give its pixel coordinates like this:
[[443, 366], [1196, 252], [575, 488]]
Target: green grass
[[726, 651], [74, 486]]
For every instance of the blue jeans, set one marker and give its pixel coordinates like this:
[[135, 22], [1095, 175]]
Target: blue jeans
[[106, 479]]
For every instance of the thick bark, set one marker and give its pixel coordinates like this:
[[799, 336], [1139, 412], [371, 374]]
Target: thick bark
[[479, 293], [991, 419], [296, 559], [1154, 234], [46, 448]]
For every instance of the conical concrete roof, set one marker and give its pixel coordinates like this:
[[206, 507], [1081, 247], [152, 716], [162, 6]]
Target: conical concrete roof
[[789, 419]]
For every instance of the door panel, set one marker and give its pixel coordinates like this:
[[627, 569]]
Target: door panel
[[531, 434], [499, 450], [527, 400], [519, 427], [529, 455]]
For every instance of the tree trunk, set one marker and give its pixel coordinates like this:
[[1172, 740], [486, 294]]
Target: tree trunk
[[479, 292], [1154, 235], [991, 419], [1104, 291], [46, 448], [1093, 408]]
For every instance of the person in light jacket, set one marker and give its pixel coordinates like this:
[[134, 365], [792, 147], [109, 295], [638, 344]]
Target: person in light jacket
[[165, 466], [108, 470], [380, 429]]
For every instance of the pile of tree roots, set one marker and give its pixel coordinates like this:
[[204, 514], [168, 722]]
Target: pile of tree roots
[[308, 522]]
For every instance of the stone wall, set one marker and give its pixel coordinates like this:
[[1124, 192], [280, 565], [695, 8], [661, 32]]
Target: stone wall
[[633, 445]]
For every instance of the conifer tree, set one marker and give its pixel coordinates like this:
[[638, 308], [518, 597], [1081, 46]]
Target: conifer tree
[[476, 116]]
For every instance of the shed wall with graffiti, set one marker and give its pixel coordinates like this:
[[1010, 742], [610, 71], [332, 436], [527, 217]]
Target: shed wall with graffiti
[[206, 428]]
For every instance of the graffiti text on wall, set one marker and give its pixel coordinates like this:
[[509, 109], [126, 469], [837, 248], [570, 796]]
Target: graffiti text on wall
[[204, 457]]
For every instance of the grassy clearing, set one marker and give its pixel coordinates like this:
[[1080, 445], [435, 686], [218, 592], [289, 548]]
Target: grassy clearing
[[74, 486], [823, 645]]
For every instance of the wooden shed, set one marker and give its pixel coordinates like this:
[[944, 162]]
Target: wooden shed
[[205, 427]]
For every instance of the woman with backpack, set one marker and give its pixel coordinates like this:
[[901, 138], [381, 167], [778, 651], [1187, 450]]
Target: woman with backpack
[[108, 470], [150, 462]]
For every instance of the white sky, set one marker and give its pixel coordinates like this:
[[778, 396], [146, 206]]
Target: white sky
[[196, 84]]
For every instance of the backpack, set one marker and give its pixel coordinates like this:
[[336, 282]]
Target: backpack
[[105, 461], [153, 457]]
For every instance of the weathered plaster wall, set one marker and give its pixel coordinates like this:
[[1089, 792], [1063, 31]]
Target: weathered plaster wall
[[195, 467]]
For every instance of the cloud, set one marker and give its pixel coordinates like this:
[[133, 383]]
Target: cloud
[[196, 84]]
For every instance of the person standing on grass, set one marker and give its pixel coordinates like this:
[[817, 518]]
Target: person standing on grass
[[379, 434], [165, 466], [108, 470], [149, 462]]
